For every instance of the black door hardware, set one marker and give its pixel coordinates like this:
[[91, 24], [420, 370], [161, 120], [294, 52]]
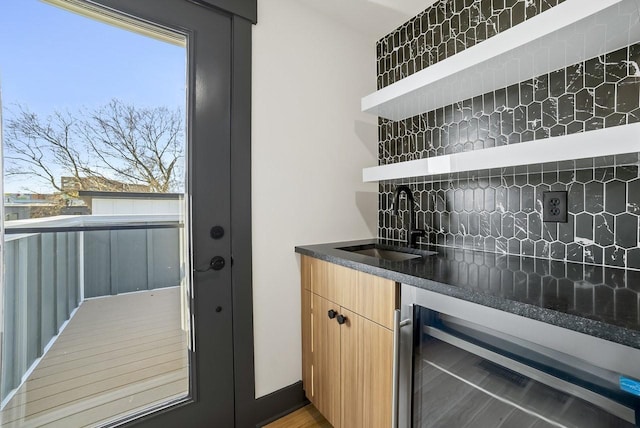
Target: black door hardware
[[217, 263], [332, 314], [341, 319], [217, 232]]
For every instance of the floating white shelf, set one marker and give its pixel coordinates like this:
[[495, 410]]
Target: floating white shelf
[[603, 143], [566, 34]]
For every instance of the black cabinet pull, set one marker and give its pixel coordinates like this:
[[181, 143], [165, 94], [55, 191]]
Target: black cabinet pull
[[332, 314], [342, 319]]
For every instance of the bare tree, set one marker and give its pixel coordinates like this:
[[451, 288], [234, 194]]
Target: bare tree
[[114, 147], [149, 140], [36, 148]]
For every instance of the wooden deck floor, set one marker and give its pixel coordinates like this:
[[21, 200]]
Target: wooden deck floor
[[117, 354]]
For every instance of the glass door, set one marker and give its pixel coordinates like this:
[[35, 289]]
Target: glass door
[[469, 376], [116, 142]]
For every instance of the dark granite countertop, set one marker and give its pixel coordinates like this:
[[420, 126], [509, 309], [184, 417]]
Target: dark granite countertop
[[599, 301]]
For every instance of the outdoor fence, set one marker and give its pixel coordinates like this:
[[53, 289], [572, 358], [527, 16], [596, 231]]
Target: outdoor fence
[[52, 264]]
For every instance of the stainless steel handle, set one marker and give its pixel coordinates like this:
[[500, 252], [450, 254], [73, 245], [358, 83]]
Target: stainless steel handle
[[397, 325]]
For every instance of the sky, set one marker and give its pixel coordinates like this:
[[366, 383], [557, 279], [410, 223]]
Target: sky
[[52, 59]]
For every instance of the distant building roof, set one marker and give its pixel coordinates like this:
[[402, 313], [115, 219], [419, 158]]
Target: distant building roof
[[128, 195], [99, 184]]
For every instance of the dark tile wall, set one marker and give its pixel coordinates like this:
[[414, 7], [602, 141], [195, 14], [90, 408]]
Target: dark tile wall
[[597, 93], [503, 213], [446, 28]]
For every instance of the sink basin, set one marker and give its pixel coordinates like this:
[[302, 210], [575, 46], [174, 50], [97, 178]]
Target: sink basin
[[388, 253]]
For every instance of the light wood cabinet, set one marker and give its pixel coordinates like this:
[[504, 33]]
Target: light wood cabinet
[[377, 389], [347, 368], [325, 368]]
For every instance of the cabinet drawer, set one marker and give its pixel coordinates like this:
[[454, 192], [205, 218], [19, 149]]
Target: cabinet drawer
[[330, 280], [371, 297], [367, 295]]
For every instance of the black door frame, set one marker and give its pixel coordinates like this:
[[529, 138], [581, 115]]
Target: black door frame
[[249, 412]]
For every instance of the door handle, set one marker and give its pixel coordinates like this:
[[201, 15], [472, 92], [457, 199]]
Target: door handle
[[217, 263], [398, 324]]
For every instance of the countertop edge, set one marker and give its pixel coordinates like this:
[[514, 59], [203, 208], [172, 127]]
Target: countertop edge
[[602, 330]]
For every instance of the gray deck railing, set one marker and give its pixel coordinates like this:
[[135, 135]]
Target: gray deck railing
[[52, 264]]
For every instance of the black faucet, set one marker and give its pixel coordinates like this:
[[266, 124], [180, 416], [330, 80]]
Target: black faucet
[[412, 233]]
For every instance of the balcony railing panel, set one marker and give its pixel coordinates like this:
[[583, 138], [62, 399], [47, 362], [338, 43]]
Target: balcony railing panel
[[41, 291], [130, 260], [97, 254], [48, 264], [52, 264]]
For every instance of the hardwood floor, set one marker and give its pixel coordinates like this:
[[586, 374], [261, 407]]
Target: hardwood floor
[[307, 417], [116, 355]]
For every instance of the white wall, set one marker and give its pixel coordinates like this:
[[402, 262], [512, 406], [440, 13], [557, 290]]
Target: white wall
[[118, 206], [309, 144]]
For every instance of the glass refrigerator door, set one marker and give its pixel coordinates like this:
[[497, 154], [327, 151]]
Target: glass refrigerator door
[[464, 378]]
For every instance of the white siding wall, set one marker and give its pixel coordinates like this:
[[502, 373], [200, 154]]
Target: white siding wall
[[309, 144], [122, 206]]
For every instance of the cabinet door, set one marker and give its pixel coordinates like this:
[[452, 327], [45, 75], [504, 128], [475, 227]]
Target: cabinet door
[[305, 297], [325, 365], [366, 373], [377, 366], [307, 380], [352, 373]]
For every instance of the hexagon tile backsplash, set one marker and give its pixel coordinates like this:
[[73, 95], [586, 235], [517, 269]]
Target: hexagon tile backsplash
[[446, 28], [594, 94], [504, 213]]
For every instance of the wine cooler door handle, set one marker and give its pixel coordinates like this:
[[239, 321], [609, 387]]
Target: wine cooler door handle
[[398, 324]]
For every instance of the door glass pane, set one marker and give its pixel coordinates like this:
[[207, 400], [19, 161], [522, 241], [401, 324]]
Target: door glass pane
[[95, 320]]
